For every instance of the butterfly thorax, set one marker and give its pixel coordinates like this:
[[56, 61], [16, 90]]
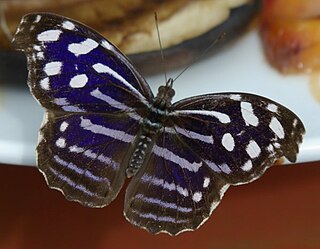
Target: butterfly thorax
[[155, 120], [164, 97]]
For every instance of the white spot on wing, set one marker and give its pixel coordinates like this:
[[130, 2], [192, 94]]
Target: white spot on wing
[[190, 134], [83, 47], [100, 68], [61, 142], [223, 118], [79, 81], [99, 129], [38, 18], [37, 48], [164, 204], [49, 35], [71, 183], [159, 218], [228, 142], [225, 168], [84, 172], [45, 84], [61, 101], [90, 154], [68, 25], [71, 108], [213, 166], [272, 107], [276, 127], [40, 55], [182, 191], [170, 156], [107, 45], [248, 115], [270, 148], [116, 104], [53, 68], [197, 196], [76, 149], [64, 125], [253, 149], [276, 145], [247, 166], [236, 97], [166, 185], [206, 182], [66, 105]]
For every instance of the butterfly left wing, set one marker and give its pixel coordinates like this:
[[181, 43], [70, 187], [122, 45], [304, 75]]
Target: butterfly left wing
[[217, 140]]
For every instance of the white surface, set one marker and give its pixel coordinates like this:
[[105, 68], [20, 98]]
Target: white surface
[[239, 67]]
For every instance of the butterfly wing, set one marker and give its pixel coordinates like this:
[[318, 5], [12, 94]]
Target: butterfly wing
[[237, 135], [173, 191], [94, 99], [215, 141], [85, 155], [74, 69]]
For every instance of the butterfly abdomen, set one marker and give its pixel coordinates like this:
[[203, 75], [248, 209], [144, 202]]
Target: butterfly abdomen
[[143, 144]]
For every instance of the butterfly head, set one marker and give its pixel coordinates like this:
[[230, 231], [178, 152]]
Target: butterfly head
[[165, 95]]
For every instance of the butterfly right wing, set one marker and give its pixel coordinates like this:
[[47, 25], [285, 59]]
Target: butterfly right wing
[[85, 155], [72, 68]]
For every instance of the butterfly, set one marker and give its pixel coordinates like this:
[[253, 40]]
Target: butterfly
[[103, 124]]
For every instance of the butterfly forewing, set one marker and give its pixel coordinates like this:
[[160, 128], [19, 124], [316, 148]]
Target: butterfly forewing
[[237, 135], [72, 68], [174, 191]]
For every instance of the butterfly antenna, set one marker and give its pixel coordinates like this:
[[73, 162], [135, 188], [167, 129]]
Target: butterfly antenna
[[197, 58], [3, 23], [161, 49]]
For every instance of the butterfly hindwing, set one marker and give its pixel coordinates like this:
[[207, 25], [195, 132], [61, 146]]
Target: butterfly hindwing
[[174, 191], [72, 68], [238, 135], [85, 155]]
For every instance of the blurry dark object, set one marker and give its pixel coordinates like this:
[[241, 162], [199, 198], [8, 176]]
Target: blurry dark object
[[187, 27], [291, 34]]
